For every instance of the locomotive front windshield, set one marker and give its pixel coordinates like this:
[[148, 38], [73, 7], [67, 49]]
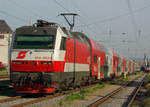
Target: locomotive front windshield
[[34, 42]]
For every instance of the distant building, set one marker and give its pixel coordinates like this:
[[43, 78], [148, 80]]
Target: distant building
[[5, 37]]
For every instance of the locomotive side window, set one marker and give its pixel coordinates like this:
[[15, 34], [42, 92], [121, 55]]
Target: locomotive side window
[[95, 59], [34, 42], [63, 43]]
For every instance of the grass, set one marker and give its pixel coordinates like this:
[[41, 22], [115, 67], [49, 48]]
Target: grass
[[125, 79], [137, 72], [146, 102], [3, 72], [149, 79], [80, 95], [60, 103]]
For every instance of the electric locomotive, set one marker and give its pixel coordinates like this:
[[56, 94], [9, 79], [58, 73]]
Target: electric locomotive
[[46, 57]]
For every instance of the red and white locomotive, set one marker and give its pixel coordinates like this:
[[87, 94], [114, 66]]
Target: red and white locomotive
[[46, 58]]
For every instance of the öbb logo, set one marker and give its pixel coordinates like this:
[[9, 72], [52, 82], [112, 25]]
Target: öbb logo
[[21, 55]]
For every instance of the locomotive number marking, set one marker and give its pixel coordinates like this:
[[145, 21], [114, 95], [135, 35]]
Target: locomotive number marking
[[38, 57], [21, 55], [44, 57]]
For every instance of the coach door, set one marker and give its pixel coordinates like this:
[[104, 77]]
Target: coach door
[[99, 67]]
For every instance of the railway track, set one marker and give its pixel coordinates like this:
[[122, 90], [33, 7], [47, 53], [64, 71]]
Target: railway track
[[10, 99], [106, 100], [36, 100], [4, 76], [135, 92]]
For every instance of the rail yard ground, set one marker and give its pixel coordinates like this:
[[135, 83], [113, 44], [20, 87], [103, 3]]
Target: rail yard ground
[[143, 97], [77, 99], [86, 96]]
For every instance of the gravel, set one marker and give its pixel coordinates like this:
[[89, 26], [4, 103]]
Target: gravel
[[121, 98], [8, 104], [56, 102]]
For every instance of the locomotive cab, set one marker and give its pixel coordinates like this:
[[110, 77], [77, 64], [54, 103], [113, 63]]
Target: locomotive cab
[[34, 51]]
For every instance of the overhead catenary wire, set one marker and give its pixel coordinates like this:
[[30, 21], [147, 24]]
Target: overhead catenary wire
[[84, 15], [135, 28], [137, 32], [15, 17], [105, 20], [77, 19], [115, 17], [133, 21], [26, 9], [30, 10], [61, 5], [88, 27]]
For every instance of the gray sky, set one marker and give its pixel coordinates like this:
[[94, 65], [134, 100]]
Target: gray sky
[[128, 20]]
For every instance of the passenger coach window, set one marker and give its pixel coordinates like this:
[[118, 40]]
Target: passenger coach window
[[63, 43]]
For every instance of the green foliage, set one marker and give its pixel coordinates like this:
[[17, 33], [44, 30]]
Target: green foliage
[[88, 90], [124, 79], [148, 78], [60, 103], [99, 86], [80, 95], [137, 72], [145, 100], [92, 89], [74, 96], [3, 72]]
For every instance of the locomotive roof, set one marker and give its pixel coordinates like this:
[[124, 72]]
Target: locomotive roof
[[31, 30], [80, 37]]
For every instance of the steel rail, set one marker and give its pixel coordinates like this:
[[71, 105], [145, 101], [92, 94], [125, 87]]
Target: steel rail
[[56, 95], [49, 97], [10, 99], [43, 98], [135, 92], [105, 98], [4, 76]]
